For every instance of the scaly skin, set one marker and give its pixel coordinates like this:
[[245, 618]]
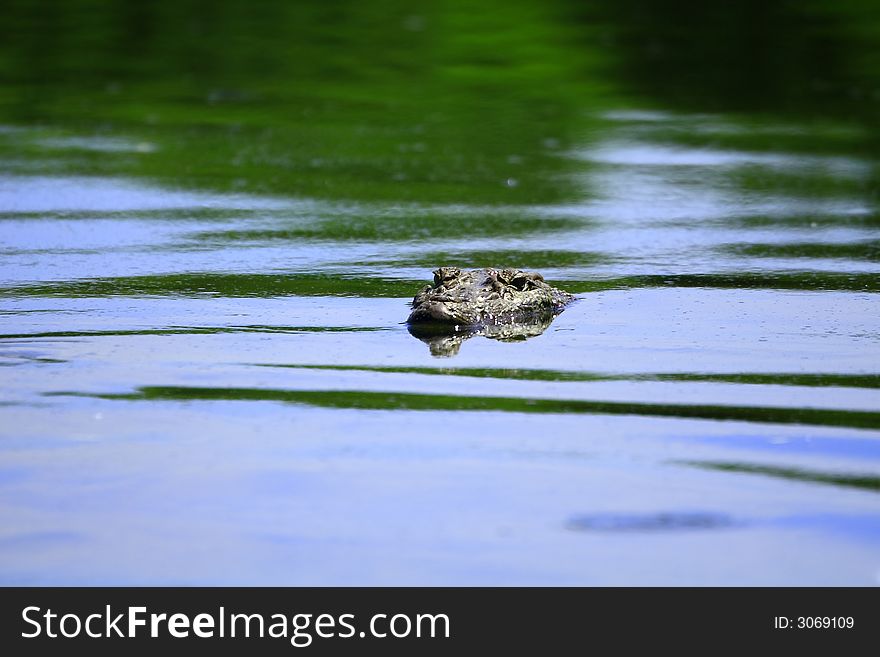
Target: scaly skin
[[486, 297]]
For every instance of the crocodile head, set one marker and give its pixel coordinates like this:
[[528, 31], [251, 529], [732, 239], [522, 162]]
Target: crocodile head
[[486, 297]]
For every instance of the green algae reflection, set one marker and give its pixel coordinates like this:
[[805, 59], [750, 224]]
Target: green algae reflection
[[370, 400], [862, 481], [754, 378]]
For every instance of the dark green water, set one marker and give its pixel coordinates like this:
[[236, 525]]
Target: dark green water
[[212, 216]]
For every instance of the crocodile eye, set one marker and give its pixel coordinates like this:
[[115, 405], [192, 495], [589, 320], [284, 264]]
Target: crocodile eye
[[445, 274]]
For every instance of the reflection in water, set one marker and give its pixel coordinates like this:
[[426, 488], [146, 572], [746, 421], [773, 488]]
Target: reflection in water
[[349, 284], [449, 103], [866, 481], [445, 341], [806, 59], [868, 250], [670, 521], [221, 284], [754, 378], [186, 330], [380, 400]]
